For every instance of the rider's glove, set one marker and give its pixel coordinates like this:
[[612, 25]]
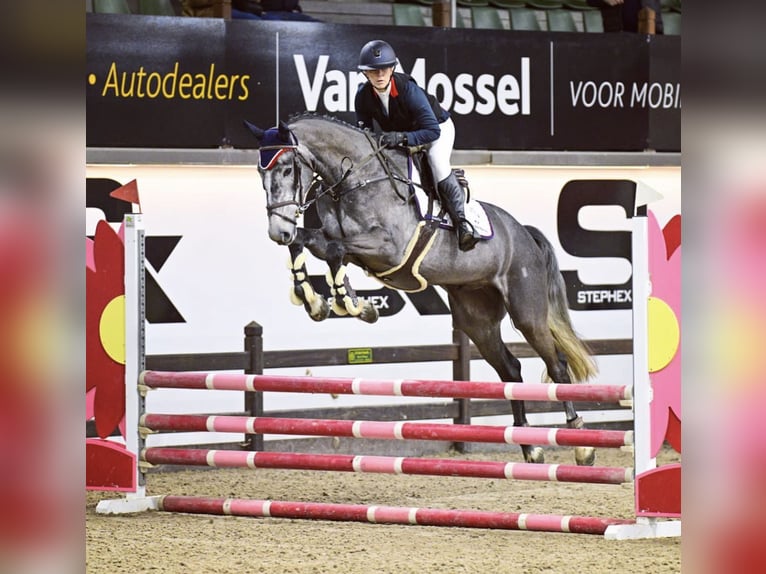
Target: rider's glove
[[393, 139]]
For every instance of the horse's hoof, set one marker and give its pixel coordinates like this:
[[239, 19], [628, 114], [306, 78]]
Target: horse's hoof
[[576, 423], [369, 313], [585, 455], [534, 455], [337, 308], [320, 310]]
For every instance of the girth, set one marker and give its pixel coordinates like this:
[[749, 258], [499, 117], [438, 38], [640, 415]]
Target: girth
[[406, 276]]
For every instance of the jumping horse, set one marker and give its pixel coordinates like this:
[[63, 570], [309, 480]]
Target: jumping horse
[[363, 198]]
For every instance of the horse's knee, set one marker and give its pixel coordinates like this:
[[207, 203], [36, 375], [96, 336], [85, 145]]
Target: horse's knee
[[335, 254]]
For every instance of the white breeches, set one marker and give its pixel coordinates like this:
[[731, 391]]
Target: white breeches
[[440, 151]]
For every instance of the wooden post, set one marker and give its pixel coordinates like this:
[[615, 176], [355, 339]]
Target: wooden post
[[441, 13], [222, 9], [646, 21], [254, 400], [461, 371]]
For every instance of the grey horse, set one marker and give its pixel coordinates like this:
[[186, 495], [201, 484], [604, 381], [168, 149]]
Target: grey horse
[[362, 196]]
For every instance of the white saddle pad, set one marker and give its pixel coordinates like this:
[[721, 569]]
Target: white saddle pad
[[474, 213]]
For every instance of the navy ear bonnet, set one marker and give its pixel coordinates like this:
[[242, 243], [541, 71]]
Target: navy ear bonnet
[[275, 141]]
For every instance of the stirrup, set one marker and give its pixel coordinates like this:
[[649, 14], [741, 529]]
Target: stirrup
[[466, 240], [459, 174]]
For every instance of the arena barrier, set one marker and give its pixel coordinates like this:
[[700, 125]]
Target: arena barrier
[[139, 423]]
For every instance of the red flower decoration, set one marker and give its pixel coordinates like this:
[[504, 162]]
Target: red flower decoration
[[105, 370]]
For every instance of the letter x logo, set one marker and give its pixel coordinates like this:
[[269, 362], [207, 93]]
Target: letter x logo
[[159, 308]]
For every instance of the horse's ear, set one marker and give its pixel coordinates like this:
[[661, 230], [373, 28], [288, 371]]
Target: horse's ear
[[255, 130], [284, 130]]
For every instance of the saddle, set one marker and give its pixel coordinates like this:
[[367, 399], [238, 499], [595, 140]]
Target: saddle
[[427, 195], [428, 182]]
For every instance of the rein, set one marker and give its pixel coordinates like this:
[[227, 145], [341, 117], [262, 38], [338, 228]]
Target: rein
[[376, 153], [300, 201]]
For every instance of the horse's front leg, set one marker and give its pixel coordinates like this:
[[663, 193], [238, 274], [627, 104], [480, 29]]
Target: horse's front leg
[[302, 293], [345, 300]]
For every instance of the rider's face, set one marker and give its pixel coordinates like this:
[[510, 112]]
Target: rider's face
[[379, 78]]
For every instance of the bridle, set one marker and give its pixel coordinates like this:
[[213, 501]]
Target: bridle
[[335, 191], [299, 196]]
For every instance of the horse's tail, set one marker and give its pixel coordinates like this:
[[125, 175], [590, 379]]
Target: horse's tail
[[581, 364]]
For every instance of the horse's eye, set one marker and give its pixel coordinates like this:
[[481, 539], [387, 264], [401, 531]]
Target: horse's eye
[[288, 171]]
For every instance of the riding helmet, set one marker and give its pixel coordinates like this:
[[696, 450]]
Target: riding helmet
[[376, 55]]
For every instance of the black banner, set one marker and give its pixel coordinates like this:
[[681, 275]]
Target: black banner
[[189, 82]]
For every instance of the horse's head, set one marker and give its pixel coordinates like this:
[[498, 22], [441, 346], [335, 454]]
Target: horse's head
[[286, 177]]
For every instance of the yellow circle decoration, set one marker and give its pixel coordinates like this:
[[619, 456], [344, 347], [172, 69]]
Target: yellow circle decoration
[[92, 79], [664, 334], [111, 329]]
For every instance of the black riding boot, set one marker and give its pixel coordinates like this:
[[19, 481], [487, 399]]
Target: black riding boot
[[453, 197]]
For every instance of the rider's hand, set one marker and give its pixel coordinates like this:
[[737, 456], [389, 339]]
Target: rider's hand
[[393, 139]]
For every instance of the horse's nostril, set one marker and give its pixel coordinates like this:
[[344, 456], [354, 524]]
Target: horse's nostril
[[285, 237]]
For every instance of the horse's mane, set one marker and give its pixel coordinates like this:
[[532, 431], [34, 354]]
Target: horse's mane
[[323, 117]]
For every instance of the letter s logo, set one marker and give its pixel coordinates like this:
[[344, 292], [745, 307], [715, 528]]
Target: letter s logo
[[581, 242]]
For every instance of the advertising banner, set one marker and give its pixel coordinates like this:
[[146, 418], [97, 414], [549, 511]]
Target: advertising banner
[[189, 83]]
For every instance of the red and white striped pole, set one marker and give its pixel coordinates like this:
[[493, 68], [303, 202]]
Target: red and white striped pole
[[388, 430], [388, 514], [388, 465], [392, 387]]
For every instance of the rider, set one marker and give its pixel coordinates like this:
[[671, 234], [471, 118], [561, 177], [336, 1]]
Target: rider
[[411, 117]]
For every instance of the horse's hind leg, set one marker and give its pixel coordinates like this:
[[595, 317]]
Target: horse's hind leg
[[302, 293], [533, 325], [478, 313]]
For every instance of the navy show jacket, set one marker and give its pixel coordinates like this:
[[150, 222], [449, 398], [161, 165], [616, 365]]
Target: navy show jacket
[[410, 110]]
